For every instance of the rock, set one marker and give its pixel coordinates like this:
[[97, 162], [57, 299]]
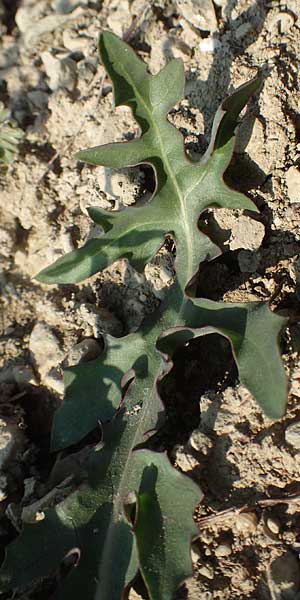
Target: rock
[[280, 22], [26, 16], [284, 577], [246, 522], [194, 556], [160, 278], [45, 348], [124, 185], [295, 383], [119, 18], [292, 177], [100, 320], [66, 241], [292, 435], [195, 553], [209, 45], [200, 13], [62, 73], [233, 229], [224, 423], [273, 526], [200, 442], [209, 410], [32, 26], [246, 233], [74, 42], [134, 596], [207, 571], [185, 460], [84, 351], [11, 439], [189, 35], [3, 487], [223, 550]]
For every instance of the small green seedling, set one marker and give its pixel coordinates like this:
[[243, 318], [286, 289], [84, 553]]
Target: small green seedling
[[134, 513]]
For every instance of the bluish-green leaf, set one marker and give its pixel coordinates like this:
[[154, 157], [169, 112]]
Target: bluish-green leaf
[[164, 528]]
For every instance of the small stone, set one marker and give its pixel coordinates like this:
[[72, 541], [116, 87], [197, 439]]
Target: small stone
[[84, 351], [61, 73], [209, 45], [11, 439], [292, 435], [281, 22], [66, 241], [26, 16], [39, 516], [223, 550], [246, 233], [200, 13], [292, 178], [224, 423], [118, 18], [159, 278], [184, 460], [194, 556], [207, 571], [235, 230], [124, 185], [32, 26], [74, 42], [273, 526], [3, 487], [295, 387], [246, 522], [134, 596], [45, 348], [3, 495], [200, 442]]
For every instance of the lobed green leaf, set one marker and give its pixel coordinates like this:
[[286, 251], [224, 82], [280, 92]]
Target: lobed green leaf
[[119, 390]]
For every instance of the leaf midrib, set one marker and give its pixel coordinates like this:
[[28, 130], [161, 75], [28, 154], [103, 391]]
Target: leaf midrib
[[117, 499], [164, 157]]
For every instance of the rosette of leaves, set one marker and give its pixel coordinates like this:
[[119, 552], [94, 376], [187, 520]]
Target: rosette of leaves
[[134, 511], [10, 136]]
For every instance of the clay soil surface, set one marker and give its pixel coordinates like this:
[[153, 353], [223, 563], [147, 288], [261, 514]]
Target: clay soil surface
[[52, 81]]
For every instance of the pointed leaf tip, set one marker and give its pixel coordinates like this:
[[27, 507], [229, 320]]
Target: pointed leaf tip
[[232, 107]]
